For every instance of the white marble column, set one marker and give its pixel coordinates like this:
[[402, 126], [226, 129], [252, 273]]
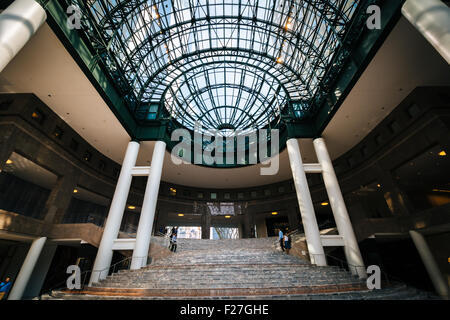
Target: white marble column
[[343, 222], [144, 231], [18, 23], [115, 215], [21, 281], [439, 283], [310, 226]]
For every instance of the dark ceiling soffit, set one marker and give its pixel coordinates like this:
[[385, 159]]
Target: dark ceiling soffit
[[5, 4], [358, 61], [81, 54]]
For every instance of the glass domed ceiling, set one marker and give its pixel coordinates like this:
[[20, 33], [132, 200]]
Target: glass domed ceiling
[[231, 64]]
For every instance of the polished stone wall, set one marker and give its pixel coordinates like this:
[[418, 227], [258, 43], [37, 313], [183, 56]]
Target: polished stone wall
[[380, 193]]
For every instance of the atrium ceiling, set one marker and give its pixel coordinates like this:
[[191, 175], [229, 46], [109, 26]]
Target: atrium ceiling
[[231, 65], [45, 67]]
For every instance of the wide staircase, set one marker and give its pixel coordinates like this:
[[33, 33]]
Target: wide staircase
[[234, 269]]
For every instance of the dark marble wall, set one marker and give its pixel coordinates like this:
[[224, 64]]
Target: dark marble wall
[[390, 180], [20, 196]]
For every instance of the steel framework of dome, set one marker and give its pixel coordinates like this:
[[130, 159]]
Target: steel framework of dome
[[229, 64]]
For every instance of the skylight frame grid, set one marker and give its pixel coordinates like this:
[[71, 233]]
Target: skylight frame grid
[[145, 71]]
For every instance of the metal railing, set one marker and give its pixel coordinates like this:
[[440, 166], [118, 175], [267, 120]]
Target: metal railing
[[296, 231], [123, 264], [98, 220], [386, 278], [166, 236], [129, 228]]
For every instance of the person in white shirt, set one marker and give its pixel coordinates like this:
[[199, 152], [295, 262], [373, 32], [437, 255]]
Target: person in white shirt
[[287, 241]]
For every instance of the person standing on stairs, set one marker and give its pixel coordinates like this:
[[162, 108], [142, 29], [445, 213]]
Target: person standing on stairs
[[280, 237], [173, 232], [173, 243], [287, 241]]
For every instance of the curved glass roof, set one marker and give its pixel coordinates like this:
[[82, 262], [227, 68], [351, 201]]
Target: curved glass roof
[[232, 64]]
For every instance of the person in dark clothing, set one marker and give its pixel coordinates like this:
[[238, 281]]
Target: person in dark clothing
[[173, 234], [287, 241], [173, 243]]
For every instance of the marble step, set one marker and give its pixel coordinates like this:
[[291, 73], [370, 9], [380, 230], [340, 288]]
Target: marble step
[[397, 292], [237, 269], [183, 281]]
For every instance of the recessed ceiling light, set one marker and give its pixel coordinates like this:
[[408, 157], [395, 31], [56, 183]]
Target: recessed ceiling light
[[379, 185], [440, 190]]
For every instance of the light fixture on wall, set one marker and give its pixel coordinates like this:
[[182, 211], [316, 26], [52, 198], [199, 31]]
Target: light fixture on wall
[[324, 203], [440, 190], [181, 214], [131, 207], [274, 213], [227, 217]]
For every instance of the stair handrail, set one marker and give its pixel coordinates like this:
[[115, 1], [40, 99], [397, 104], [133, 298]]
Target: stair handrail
[[86, 272], [128, 259], [345, 265], [60, 285], [295, 231]]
